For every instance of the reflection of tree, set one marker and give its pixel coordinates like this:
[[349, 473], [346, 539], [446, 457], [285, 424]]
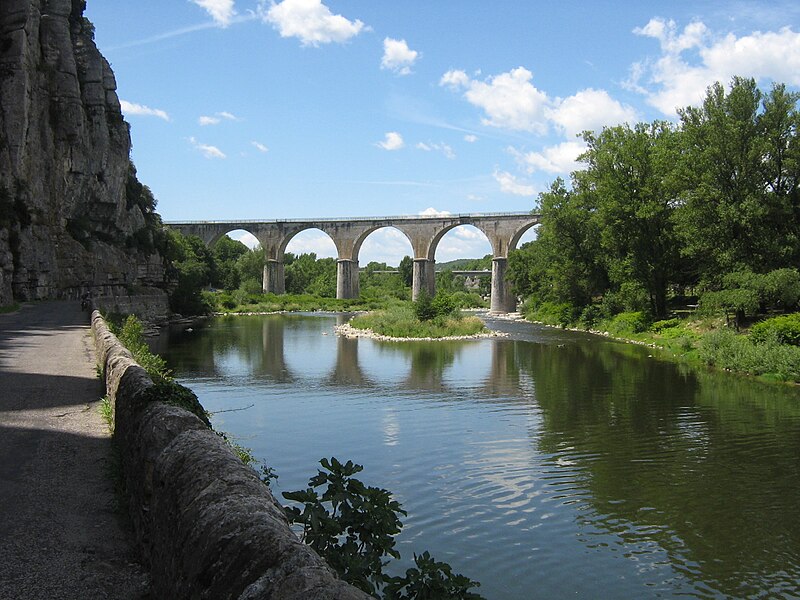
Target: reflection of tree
[[702, 464], [428, 362], [243, 343]]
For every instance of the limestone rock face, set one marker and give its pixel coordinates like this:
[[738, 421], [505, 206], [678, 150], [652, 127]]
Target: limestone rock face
[[71, 211]]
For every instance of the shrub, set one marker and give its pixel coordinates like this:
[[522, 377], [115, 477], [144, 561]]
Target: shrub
[[591, 315], [727, 350], [551, 313], [423, 307], [629, 322], [660, 326], [783, 330], [353, 527]]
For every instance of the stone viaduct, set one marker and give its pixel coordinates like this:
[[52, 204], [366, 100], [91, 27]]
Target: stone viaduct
[[503, 231]]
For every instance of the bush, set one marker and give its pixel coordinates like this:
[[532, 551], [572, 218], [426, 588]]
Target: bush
[[353, 527], [423, 307], [783, 330], [629, 322], [660, 326], [591, 315], [727, 350], [550, 313]]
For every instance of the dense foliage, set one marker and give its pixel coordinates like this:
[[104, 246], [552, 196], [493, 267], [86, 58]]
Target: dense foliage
[[708, 207]]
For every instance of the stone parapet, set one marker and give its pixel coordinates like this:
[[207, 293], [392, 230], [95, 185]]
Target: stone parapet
[[204, 522]]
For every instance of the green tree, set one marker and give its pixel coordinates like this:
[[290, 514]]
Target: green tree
[[631, 178], [564, 263], [740, 164], [406, 269], [226, 252]]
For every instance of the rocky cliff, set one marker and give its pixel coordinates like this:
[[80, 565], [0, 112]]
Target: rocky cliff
[[72, 213]]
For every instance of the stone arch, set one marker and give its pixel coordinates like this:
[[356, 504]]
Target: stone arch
[[444, 232], [512, 244], [290, 235], [367, 232], [223, 232]]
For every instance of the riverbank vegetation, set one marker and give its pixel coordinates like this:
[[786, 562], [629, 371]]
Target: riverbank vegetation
[[675, 233], [437, 317]]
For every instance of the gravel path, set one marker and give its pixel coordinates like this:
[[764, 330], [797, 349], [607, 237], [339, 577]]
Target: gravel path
[[60, 535]]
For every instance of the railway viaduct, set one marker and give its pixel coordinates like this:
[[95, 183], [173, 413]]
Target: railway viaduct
[[503, 231]]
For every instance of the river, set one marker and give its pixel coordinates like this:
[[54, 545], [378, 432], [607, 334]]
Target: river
[[548, 464]]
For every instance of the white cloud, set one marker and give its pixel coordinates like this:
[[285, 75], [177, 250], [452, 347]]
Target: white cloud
[[248, 239], [397, 56], [308, 20], [694, 58], [443, 148], [131, 108], [510, 185], [386, 245], [432, 212], [509, 100], [313, 240], [207, 150], [259, 146], [561, 158], [222, 11], [471, 139], [590, 110], [217, 118], [393, 141]]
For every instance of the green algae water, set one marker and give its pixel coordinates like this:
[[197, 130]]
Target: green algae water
[[547, 464]]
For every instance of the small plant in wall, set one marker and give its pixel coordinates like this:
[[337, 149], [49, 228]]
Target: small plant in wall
[[353, 526]]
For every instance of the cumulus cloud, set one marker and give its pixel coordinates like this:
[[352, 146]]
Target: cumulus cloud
[[432, 212], [131, 109], [508, 100], [397, 56], [693, 58], [259, 146], [561, 158], [443, 148], [393, 141], [471, 139], [510, 185], [511, 101], [222, 11], [308, 20], [207, 150], [590, 110]]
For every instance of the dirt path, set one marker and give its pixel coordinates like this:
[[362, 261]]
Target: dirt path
[[60, 536]]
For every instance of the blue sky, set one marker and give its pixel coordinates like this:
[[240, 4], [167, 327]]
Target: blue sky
[[252, 109]]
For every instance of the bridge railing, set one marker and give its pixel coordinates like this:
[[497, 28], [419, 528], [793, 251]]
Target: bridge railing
[[357, 219]]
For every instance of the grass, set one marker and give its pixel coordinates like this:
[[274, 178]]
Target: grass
[[9, 308], [107, 412], [400, 321]]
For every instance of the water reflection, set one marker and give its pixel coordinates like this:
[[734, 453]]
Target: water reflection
[[528, 459]]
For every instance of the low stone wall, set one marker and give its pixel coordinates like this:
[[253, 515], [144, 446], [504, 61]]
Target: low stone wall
[[204, 522]]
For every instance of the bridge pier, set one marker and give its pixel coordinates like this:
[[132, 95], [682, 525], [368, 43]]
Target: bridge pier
[[424, 277], [347, 278], [503, 301], [274, 281]]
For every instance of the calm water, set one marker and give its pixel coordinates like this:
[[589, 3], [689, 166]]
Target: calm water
[[545, 465]]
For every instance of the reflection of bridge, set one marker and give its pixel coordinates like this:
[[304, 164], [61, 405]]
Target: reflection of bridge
[[503, 231]]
